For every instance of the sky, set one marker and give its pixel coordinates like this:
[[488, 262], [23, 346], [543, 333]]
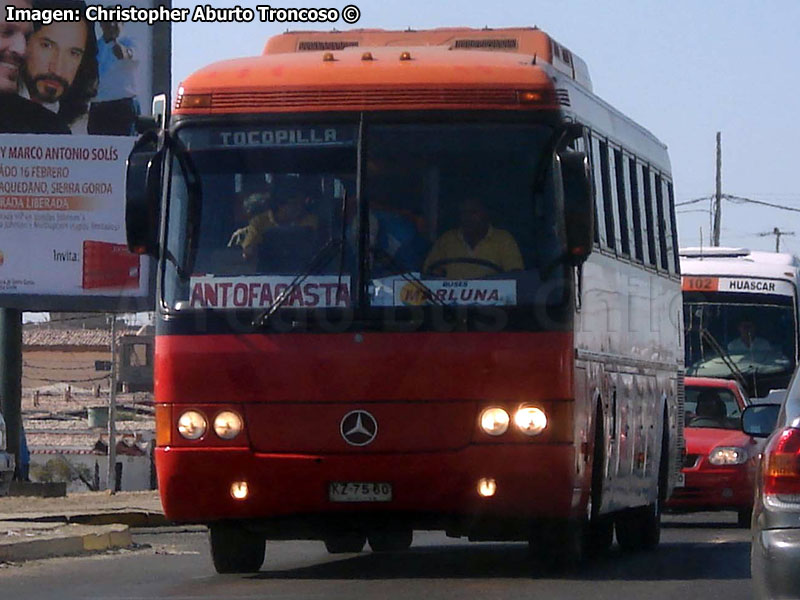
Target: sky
[[684, 69]]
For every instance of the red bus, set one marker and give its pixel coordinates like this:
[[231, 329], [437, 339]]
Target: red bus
[[418, 280]]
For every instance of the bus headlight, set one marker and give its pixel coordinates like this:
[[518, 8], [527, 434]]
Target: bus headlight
[[192, 425], [530, 420], [494, 421], [227, 425], [727, 455]]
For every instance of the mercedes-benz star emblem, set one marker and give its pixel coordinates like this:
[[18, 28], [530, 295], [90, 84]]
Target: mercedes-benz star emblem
[[358, 428]]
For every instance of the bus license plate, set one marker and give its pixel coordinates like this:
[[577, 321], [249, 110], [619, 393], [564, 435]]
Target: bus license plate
[[357, 491]]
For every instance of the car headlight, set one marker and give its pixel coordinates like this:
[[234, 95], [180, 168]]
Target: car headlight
[[530, 420], [494, 421], [227, 425], [727, 455], [2, 440], [192, 425]]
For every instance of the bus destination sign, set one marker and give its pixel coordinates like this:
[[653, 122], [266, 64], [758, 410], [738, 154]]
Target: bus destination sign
[[324, 291], [737, 285], [284, 136]]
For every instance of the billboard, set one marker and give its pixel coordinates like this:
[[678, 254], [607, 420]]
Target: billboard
[[71, 87]]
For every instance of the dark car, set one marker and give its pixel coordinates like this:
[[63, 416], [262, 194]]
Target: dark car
[[720, 464], [775, 551]]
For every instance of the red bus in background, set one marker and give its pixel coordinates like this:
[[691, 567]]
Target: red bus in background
[[420, 280]]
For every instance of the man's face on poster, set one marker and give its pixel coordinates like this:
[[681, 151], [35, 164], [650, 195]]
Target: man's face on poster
[[13, 38], [54, 55]]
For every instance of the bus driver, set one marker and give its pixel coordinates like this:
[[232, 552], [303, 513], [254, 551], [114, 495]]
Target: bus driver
[[475, 249], [749, 343]]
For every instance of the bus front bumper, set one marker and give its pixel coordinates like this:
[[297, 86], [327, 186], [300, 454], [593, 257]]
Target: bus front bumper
[[533, 481]]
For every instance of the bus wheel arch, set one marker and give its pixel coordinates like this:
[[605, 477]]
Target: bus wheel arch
[[599, 529], [640, 528]]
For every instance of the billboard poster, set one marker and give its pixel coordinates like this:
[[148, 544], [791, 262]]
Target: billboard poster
[[72, 83]]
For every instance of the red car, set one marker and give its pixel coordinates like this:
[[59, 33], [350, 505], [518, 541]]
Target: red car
[[721, 460]]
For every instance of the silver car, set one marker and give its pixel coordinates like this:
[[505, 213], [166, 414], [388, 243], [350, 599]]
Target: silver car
[[6, 461], [775, 551]]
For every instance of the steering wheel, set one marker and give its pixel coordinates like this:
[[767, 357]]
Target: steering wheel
[[463, 260]]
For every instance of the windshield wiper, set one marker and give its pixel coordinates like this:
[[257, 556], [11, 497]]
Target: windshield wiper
[[706, 335], [381, 254], [317, 262]]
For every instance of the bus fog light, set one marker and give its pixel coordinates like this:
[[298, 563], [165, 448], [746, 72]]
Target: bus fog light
[[227, 425], [494, 421], [192, 425], [530, 420], [487, 487], [239, 490]]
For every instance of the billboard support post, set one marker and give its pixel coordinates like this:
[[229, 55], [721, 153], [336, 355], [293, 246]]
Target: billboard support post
[[11, 379], [111, 479]]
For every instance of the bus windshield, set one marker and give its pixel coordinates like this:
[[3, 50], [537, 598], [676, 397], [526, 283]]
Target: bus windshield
[[456, 214], [754, 343]]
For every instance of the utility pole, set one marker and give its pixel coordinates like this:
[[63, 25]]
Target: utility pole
[[718, 197], [111, 479], [777, 233]]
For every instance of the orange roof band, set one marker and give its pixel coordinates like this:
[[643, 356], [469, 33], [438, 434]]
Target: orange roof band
[[298, 74]]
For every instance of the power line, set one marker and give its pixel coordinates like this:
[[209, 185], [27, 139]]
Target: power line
[[693, 201], [742, 200], [739, 200]]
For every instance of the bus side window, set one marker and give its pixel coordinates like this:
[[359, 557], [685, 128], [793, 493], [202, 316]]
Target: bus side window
[[601, 235], [623, 205], [676, 263], [664, 229], [608, 198], [637, 224], [637, 191], [648, 213]]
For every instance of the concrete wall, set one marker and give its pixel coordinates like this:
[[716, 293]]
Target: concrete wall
[[135, 470]]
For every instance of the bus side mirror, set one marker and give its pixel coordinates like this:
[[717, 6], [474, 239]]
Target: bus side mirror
[[143, 194], [578, 205], [759, 420]]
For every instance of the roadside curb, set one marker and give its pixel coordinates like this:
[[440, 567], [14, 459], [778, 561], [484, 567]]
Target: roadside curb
[[67, 540], [134, 518]]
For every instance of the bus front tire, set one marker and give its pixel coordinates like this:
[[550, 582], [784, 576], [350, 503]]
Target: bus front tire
[[598, 536], [350, 542], [743, 517], [639, 528], [234, 549], [560, 546]]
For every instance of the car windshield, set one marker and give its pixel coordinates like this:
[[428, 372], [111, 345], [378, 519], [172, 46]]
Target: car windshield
[[712, 407], [754, 343]]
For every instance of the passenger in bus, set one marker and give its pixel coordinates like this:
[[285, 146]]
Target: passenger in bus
[[749, 343], [396, 241], [288, 209], [476, 249]]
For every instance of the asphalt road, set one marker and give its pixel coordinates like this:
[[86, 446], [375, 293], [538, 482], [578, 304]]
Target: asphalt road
[[701, 556]]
